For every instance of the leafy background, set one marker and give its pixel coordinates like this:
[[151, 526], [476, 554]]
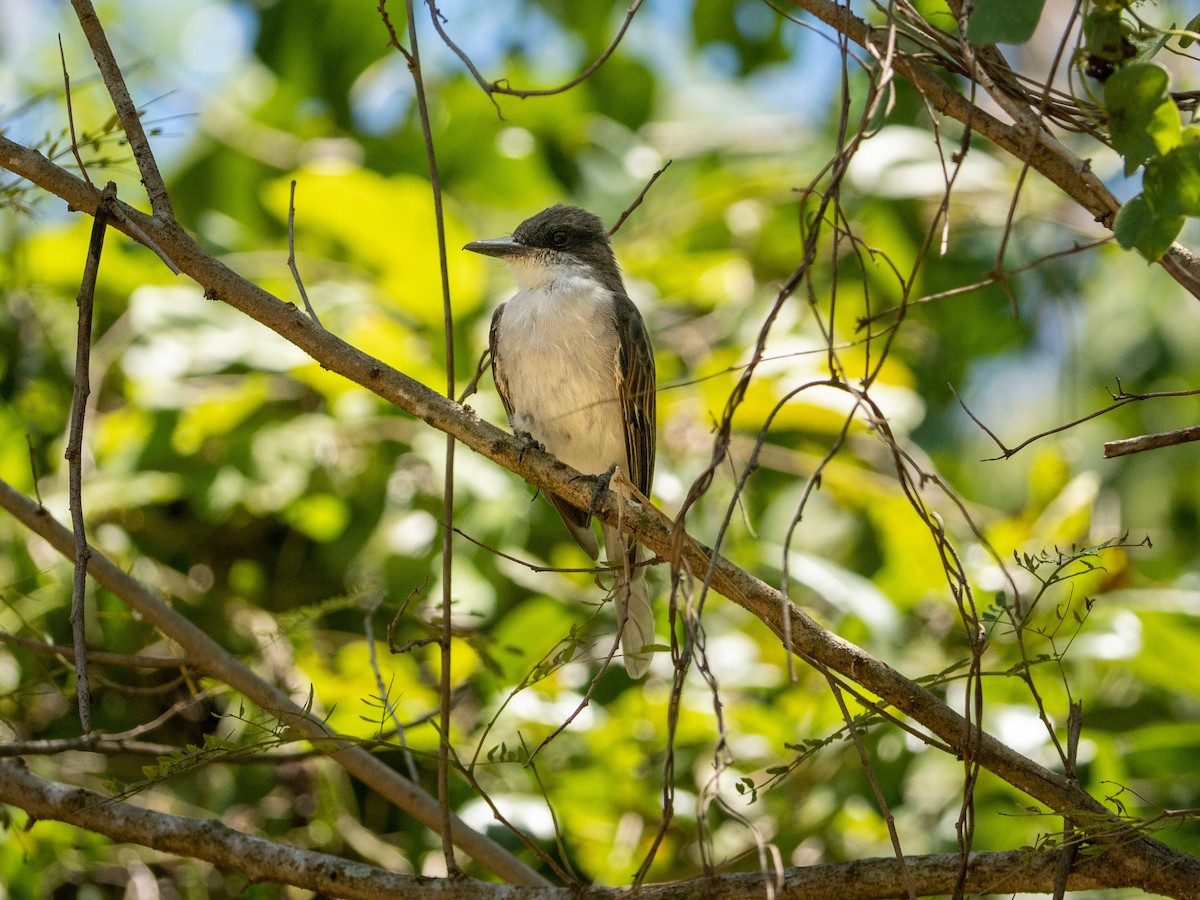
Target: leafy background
[[292, 514]]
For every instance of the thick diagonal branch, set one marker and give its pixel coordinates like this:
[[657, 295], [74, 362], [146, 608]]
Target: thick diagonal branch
[[1163, 869], [260, 860]]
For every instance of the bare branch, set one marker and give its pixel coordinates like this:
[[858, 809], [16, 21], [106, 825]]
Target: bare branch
[[97, 656], [127, 112], [1151, 441], [262, 860], [71, 113], [638, 199], [74, 455], [94, 741], [501, 87], [291, 260]]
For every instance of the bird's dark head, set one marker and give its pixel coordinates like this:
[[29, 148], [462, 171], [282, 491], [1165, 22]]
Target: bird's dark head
[[553, 242]]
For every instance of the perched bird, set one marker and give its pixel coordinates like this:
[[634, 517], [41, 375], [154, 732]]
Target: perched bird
[[572, 362]]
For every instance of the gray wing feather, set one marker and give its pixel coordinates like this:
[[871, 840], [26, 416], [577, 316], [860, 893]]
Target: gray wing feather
[[636, 386], [497, 368], [637, 389]]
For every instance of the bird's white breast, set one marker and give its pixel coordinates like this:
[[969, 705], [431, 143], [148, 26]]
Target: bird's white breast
[[557, 345]]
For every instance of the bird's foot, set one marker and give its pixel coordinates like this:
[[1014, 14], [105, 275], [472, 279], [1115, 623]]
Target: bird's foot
[[603, 481], [529, 442]]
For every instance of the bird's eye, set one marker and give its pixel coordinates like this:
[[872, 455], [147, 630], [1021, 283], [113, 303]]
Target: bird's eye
[[559, 238]]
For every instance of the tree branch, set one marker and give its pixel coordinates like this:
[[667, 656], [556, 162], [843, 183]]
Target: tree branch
[[1161, 868], [220, 664], [74, 455], [127, 111], [263, 860], [501, 87], [1151, 441], [446, 645], [207, 839]]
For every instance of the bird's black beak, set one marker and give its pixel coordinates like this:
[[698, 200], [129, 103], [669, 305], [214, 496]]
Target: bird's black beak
[[499, 247]]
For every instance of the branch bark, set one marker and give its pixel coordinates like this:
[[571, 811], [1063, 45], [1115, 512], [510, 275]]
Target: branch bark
[[74, 457], [1151, 441], [127, 111], [263, 860]]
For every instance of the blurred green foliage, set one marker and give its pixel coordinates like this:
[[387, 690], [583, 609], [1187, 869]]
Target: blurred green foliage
[[292, 514]]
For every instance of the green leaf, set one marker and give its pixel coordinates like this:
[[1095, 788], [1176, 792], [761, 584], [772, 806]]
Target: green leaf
[[320, 516], [1142, 120], [1004, 21], [1139, 227], [1187, 40], [1104, 37], [1148, 45], [1172, 182]]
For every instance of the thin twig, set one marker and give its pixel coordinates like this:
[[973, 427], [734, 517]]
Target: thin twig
[[117, 211], [97, 656], [544, 857], [1070, 844], [71, 114], [490, 88], [974, 418], [992, 278], [291, 260], [595, 569], [587, 697], [391, 628], [1124, 447], [500, 86], [880, 798], [638, 200], [993, 54], [413, 55], [384, 694], [74, 454], [480, 368], [558, 836], [33, 468]]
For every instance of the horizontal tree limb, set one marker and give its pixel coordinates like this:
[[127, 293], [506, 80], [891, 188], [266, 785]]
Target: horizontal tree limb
[[263, 860], [1151, 441]]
